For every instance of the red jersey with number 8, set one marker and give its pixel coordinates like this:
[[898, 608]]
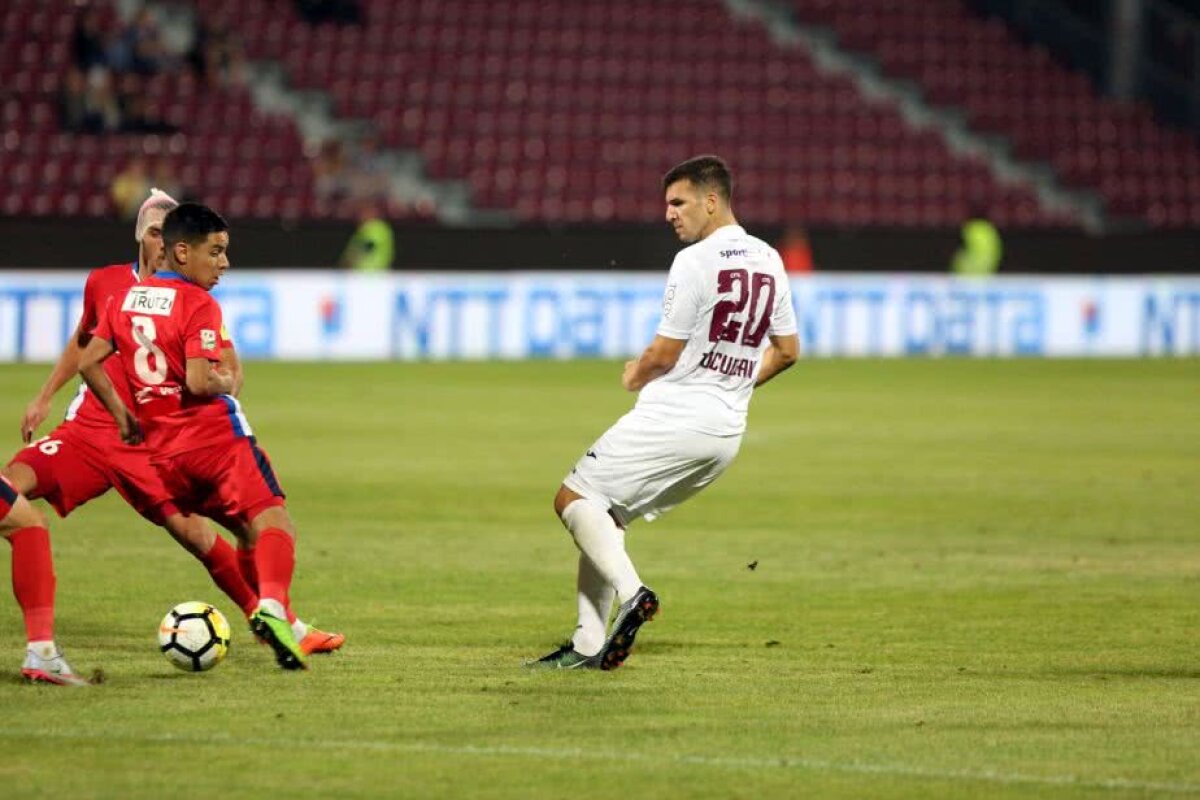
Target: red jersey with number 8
[[156, 327]]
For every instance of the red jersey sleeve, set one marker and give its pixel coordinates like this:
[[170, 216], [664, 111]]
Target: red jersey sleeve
[[90, 317], [102, 327], [202, 331]]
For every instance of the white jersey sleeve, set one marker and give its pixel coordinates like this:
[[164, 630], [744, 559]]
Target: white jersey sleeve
[[783, 316], [681, 299]]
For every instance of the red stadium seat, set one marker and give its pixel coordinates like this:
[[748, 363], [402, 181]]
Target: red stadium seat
[[571, 112]]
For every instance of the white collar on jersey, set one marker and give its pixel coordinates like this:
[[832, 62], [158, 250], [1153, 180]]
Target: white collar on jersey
[[728, 230]]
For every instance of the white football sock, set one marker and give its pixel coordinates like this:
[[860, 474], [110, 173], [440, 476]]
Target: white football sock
[[299, 629], [599, 538], [272, 607], [45, 649], [595, 597]]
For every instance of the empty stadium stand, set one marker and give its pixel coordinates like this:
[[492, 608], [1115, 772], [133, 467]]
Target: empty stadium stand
[[1140, 167], [571, 111]]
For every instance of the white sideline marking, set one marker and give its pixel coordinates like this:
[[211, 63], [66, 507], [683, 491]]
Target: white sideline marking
[[568, 754]]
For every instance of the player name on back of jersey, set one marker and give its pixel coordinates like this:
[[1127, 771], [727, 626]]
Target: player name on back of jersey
[[154, 300], [728, 365]]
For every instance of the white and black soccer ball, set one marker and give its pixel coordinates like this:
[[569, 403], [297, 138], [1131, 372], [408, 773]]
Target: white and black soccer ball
[[194, 636]]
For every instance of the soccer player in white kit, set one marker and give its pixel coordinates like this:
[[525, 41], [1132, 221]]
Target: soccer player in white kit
[[727, 327]]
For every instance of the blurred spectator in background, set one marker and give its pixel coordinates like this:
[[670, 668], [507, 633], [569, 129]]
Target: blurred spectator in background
[[73, 101], [795, 250], [130, 187], [104, 93], [346, 12], [372, 247], [332, 176], [88, 41], [217, 55], [88, 103], [982, 248], [139, 47], [368, 173]]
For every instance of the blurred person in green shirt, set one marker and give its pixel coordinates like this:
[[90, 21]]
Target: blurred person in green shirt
[[372, 247], [981, 249]]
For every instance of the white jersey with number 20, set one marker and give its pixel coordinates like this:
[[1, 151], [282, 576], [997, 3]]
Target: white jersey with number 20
[[726, 295]]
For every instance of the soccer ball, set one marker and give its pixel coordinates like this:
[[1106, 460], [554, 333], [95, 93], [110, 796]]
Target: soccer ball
[[194, 636]]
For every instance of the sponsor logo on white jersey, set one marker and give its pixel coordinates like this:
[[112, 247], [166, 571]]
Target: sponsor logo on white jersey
[[154, 300]]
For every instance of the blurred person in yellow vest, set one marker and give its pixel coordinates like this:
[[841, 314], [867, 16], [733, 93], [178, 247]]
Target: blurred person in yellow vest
[[982, 248], [129, 187], [372, 247]]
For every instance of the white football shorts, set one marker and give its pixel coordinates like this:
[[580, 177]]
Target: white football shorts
[[644, 468]]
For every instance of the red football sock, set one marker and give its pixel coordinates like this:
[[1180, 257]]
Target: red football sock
[[275, 557], [245, 557], [250, 573], [221, 561], [33, 581]]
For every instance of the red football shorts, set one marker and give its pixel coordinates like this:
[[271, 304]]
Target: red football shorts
[[230, 483], [74, 465]]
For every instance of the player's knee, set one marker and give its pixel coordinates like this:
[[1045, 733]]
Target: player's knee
[[23, 479], [22, 515], [562, 499], [192, 533], [274, 517]]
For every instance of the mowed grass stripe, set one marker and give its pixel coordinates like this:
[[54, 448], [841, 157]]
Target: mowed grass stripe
[[783, 762]]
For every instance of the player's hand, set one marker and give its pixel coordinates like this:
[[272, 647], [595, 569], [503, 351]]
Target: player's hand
[[35, 415], [131, 430], [224, 377]]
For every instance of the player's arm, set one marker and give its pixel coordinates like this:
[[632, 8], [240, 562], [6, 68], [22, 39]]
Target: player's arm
[[657, 360], [781, 354], [233, 365], [205, 379], [205, 342], [91, 367], [66, 368], [681, 308], [785, 342]]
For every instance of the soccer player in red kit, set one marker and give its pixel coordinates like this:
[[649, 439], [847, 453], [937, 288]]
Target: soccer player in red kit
[[167, 333], [84, 456]]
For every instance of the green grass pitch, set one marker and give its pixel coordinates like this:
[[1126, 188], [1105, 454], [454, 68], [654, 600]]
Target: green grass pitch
[[974, 578]]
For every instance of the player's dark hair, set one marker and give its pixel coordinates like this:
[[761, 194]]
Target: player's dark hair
[[191, 223], [705, 172]]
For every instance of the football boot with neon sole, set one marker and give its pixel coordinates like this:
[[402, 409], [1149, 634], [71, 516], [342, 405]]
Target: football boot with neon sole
[[276, 631], [319, 641], [49, 667]]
